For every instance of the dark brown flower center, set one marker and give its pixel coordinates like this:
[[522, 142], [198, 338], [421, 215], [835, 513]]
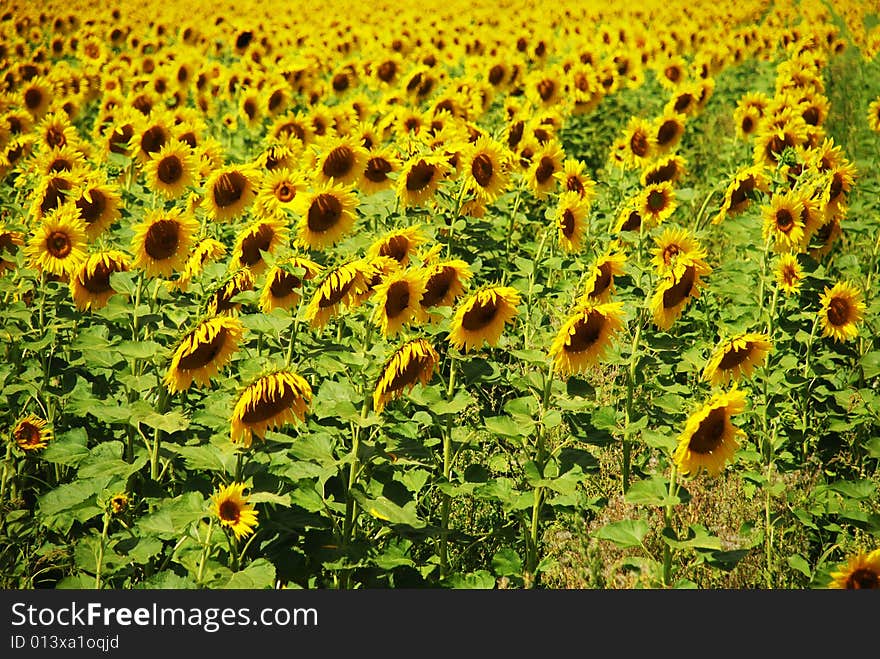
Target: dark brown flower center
[[482, 169], [656, 201], [55, 137], [420, 176], [838, 311], [667, 132], [170, 170], [204, 353], [397, 247], [91, 211], [567, 224], [741, 194], [633, 222], [340, 82], [386, 71], [162, 239], [275, 100], [811, 116], [670, 252], [284, 192], [27, 434], [748, 124], [56, 193], [58, 244], [863, 578], [545, 89], [283, 284], [230, 511], [638, 144], [118, 142], [229, 188], [153, 139], [836, 187], [273, 402], [586, 332], [254, 242], [683, 102], [324, 213], [335, 295], [33, 97], [397, 299], [339, 162], [574, 184], [784, 220], [672, 73], [438, 286], [496, 75], [603, 281], [410, 373], [377, 170], [545, 169], [680, 291], [735, 357], [98, 281], [514, 135], [710, 433], [480, 315]]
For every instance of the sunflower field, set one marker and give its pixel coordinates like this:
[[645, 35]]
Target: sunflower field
[[460, 295]]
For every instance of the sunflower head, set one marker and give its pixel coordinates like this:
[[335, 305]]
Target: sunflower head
[[585, 336], [162, 241], [420, 177], [171, 169], [709, 440], [58, 243], [259, 236], [397, 299], [410, 364], [737, 358], [229, 191], [339, 288], [327, 214], [571, 220], [234, 512], [202, 352], [481, 317], [31, 433], [600, 282], [270, 401], [861, 570], [842, 309], [90, 284], [399, 245], [674, 291], [789, 273], [284, 282]]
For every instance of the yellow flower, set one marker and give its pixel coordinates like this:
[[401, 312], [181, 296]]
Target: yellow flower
[[842, 310], [399, 244], [203, 352], [413, 362], [161, 243], [485, 165], [737, 358], [339, 287], [90, 285], [171, 169], [709, 440], [233, 510], [31, 433], [571, 220], [782, 221], [59, 242], [259, 236], [327, 214], [789, 273], [482, 316], [419, 179], [284, 282], [586, 336], [674, 292], [860, 571], [229, 191], [397, 300], [271, 401]]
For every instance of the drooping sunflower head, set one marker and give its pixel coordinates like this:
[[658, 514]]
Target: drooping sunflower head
[[232, 509], [668, 131], [861, 571], [203, 352], [629, 218], [736, 358], [674, 291], [31, 433], [574, 178], [223, 301], [600, 282], [99, 205], [54, 190], [90, 284], [410, 364], [747, 185], [339, 287], [379, 164], [58, 243], [206, 251], [259, 236], [842, 309], [709, 440], [270, 401], [284, 281], [399, 245], [375, 269], [327, 214], [161, 243], [10, 241], [481, 317], [445, 282], [571, 220], [397, 300], [789, 273], [171, 169], [420, 177], [545, 164], [229, 191], [666, 169], [586, 336]]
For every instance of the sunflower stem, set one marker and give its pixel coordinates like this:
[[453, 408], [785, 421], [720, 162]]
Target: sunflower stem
[[294, 329], [99, 561], [447, 472], [239, 466], [667, 519], [628, 409], [161, 408], [538, 254], [538, 499], [354, 466], [509, 237], [7, 462], [459, 203], [768, 525], [205, 551], [805, 417]]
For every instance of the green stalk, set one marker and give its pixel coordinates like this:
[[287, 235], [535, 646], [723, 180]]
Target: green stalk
[[509, 237], [538, 254], [205, 551], [458, 206], [628, 409], [538, 499], [99, 562], [161, 408], [6, 462], [294, 329], [805, 417], [768, 526], [447, 473], [667, 519]]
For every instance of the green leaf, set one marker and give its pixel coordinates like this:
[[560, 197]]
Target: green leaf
[[388, 511], [258, 575], [665, 441], [799, 563], [698, 538], [507, 563], [168, 422], [106, 459], [506, 427], [872, 446], [652, 491], [65, 497], [625, 533], [862, 489], [123, 282], [174, 515], [459, 403], [139, 349], [166, 580], [269, 497], [69, 448], [871, 364], [479, 580]]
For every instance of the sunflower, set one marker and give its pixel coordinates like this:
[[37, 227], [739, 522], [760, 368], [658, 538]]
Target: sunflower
[[675, 249], [31, 433], [674, 292], [155, 134], [206, 251], [203, 352], [379, 164], [340, 160], [399, 244], [840, 183], [413, 362], [860, 571], [482, 316], [842, 310], [271, 401], [585, 337], [326, 215], [397, 300], [822, 241], [485, 164], [10, 241], [119, 503], [874, 115], [668, 131], [782, 221], [60, 159], [546, 163], [445, 282], [171, 169], [600, 283], [375, 269], [339, 287], [771, 142], [745, 186], [573, 178], [37, 96], [284, 281], [789, 273], [571, 220], [278, 191], [58, 244], [736, 358], [259, 236], [638, 144], [222, 301], [98, 203], [53, 191], [230, 191], [667, 169], [56, 131], [90, 285], [656, 203], [420, 177], [161, 243], [233, 510], [709, 439]]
